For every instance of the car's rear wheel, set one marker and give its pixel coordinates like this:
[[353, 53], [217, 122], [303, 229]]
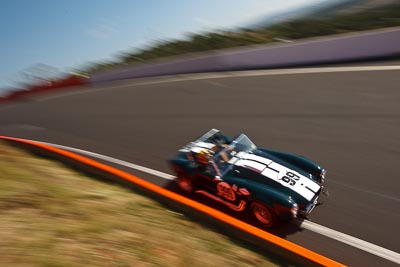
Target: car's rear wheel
[[185, 183], [263, 215]]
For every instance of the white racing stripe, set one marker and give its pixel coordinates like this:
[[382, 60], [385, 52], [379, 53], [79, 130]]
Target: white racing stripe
[[275, 171], [341, 237]]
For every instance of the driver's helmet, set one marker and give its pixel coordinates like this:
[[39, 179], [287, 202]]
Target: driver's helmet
[[203, 157]]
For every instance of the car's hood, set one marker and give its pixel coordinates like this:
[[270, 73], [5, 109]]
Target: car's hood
[[277, 172]]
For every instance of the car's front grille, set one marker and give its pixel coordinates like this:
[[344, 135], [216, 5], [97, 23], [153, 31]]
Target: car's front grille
[[305, 211]]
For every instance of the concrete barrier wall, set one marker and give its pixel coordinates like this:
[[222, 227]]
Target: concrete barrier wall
[[186, 65], [349, 47]]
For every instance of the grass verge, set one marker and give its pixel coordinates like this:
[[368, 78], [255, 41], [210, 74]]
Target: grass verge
[[54, 216]]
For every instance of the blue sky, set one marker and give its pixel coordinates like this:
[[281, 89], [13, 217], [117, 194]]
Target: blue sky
[[67, 34]]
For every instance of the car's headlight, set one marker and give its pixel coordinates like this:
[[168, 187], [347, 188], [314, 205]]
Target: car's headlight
[[294, 210], [322, 175]]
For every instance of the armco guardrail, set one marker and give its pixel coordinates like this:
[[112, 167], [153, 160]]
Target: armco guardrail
[[347, 47], [293, 251]]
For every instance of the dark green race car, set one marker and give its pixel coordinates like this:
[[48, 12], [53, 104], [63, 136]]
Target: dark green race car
[[273, 186]]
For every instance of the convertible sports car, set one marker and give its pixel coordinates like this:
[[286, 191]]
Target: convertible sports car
[[272, 186]]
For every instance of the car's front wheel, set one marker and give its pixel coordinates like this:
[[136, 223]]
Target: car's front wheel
[[185, 183], [263, 215]]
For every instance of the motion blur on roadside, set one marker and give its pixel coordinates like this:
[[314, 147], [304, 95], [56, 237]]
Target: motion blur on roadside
[[318, 18]]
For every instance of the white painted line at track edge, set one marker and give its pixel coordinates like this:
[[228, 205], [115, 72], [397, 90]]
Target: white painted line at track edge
[[249, 73], [113, 160], [352, 241], [311, 226], [218, 75]]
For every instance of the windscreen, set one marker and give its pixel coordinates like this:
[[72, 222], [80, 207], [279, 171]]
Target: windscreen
[[222, 158], [243, 143]]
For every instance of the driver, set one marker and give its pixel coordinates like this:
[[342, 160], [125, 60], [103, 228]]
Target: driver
[[203, 157], [207, 164]]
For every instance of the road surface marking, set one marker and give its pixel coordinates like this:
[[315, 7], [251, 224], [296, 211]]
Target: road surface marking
[[217, 75], [113, 160], [352, 241]]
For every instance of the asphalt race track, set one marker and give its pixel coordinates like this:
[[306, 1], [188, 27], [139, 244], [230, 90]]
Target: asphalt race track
[[347, 121]]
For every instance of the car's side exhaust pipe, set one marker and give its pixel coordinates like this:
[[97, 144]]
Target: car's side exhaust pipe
[[238, 208]]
